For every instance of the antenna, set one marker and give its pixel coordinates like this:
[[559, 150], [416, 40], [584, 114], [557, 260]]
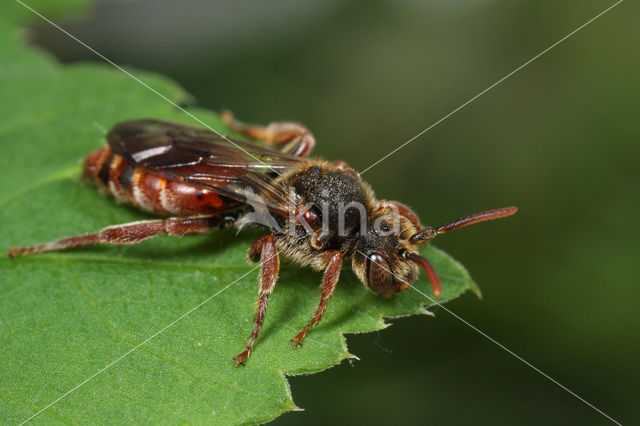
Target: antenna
[[429, 233]]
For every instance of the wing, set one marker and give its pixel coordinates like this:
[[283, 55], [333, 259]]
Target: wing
[[230, 167]]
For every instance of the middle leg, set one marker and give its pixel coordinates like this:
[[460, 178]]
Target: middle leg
[[296, 138], [264, 248]]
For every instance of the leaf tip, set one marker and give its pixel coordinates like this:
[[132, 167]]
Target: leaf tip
[[291, 406], [475, 289]]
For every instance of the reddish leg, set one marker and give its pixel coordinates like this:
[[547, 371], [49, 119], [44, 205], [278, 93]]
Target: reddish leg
[[264, 248], [132, 233], [344, 166], [402, 210], [298, 139], [329, 281]]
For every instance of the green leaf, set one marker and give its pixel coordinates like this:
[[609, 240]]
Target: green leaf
[[65, 316]]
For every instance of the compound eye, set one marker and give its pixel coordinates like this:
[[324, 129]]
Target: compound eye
[[313, 218], [379, 275]]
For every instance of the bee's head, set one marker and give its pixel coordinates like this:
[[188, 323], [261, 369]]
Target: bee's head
[[382, 257], [386, 258]]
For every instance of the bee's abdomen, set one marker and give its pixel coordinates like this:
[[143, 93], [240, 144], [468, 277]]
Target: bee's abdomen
[[150, 191]]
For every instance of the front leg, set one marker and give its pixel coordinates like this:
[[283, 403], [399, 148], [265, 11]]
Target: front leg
[[329, 281], [264, 249], [402, 210]]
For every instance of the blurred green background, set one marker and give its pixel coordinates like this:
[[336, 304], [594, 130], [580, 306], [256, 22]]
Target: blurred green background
[[559, 139]]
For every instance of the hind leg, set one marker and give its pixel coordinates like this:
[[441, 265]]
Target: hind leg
[[296, 138], [132, 233]]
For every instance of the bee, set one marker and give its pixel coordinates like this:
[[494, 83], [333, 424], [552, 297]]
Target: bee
[[319, 213]]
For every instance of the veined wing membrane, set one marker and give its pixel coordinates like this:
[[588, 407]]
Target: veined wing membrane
[[230, 167]]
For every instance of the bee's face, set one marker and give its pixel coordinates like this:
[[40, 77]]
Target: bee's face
[[380, 258]]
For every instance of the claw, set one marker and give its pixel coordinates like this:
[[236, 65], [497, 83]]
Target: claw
[[297, 341], [241, 358]]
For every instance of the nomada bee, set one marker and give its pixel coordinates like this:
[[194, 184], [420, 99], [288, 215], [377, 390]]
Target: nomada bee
[[319, 213]]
